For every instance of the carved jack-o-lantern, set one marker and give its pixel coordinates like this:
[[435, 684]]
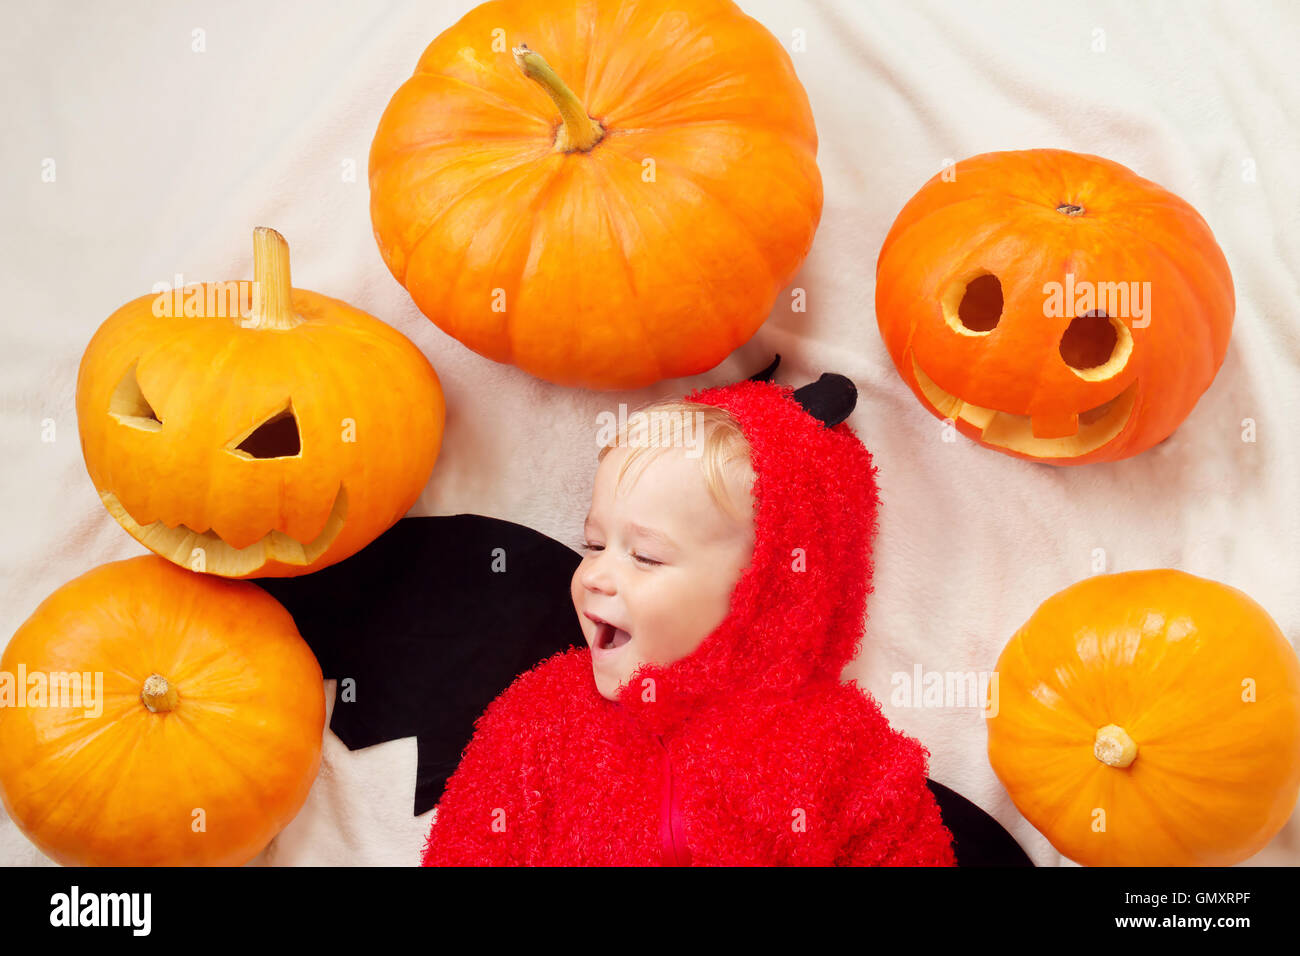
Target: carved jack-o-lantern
[[262, 440], [1054, 306]]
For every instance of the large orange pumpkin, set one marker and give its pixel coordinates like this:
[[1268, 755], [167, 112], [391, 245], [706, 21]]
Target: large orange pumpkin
[[1150, 718], [1054, 306], [603, 194], [200, 744], [263, 443]]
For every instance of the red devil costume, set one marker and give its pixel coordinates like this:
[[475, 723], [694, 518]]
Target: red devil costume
[[749, 750]]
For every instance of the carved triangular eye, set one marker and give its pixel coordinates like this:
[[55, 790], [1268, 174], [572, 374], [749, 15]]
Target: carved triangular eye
[[277, 437], [129, 406]]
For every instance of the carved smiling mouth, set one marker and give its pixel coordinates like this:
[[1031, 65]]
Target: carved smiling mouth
[[1020, 433], [177, 544]]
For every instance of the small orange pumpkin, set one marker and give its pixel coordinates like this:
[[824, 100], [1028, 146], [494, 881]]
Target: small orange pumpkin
[[1054, 306], [265, 434], [603, 194], [1150, 718], [150, 716]]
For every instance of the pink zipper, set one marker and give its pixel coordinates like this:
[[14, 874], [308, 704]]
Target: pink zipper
[[672, 829]]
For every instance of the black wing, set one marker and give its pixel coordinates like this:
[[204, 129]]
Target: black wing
[[423, 628], [977, 839]]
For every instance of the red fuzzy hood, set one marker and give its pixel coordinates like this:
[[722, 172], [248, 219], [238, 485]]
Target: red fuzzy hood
[[797, 611]]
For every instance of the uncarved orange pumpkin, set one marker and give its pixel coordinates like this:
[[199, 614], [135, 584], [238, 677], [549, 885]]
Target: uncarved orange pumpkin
[[200, 744], [267, 442], [1054, 306], [1150, 718], [603, 194]]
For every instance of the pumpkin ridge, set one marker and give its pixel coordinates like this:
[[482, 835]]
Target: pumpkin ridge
[[192, 728], [528, 222], [918, 219], [413, 247], [744, 126], [199, 664], [1063, 710], [1149, 242], [507, 104], [697, 98], [615, 192], [1155, 814], [1058, 810], [996, 230], [584, 42], [1065, 703], [743, 230], [702, 281], [1169, 669], [72, 772], [1203, 357], [498, 144], [626, 87], [1210, 254]]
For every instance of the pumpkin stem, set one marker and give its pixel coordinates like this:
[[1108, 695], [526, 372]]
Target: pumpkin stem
[[158, 695], [272, 293], [1114, 747], [580, 132]]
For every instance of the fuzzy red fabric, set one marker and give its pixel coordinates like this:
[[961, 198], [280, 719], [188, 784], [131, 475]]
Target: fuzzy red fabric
[[749, 751]]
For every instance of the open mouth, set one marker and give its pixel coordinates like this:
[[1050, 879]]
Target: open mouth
[[177, 544], [608, 637], [1069, 436]]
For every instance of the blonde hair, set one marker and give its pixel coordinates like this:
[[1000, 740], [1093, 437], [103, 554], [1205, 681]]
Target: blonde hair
[[725, 455]]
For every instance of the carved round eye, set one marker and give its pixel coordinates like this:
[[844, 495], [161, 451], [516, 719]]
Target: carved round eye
[[1095, 346], [277, 437], [974, 307]]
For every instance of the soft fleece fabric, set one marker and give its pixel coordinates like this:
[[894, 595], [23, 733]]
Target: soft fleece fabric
[[750, 751]]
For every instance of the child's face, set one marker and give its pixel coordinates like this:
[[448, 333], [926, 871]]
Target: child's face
[[660, 612]]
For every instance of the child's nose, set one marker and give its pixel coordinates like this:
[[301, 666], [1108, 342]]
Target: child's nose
[[596, 576]]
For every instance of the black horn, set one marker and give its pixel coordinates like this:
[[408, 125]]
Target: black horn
[[767, 373], [830, 399]]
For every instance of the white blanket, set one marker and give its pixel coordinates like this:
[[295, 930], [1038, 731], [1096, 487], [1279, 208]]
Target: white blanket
[[165, 156]]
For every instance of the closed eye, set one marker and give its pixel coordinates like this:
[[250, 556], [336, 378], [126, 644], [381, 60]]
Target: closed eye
[[641, 559]]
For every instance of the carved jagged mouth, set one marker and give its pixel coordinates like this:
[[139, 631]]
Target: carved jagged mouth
[[1020, 433], [178, 544]]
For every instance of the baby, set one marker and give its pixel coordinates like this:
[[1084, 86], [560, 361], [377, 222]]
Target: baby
[[722, 592]]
